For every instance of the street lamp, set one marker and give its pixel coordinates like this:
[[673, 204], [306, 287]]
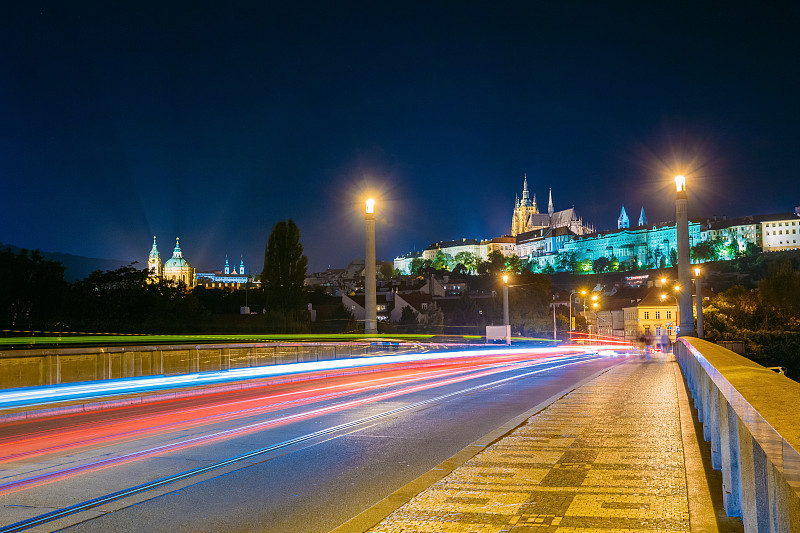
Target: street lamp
[[698, 287], [686, 323], [370, 298], [505, 301]]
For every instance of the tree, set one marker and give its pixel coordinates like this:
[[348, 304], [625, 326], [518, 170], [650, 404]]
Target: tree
[[284, 269], [497, 262], [600, 264], [469, 260], [566, 261], [419, 264], [732, 249], [751, 249], [408, 320], [779, 292], [386, 269], [513, 264], [442, 261], [702, 251], [32, 290]]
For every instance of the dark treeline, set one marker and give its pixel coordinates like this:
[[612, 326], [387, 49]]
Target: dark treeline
[[766, 317], [35, 297]]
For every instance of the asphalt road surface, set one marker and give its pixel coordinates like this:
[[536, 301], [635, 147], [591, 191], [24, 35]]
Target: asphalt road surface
[[301, 455]]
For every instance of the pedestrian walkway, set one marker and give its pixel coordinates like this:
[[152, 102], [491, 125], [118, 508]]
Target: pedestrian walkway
[[619, 453]]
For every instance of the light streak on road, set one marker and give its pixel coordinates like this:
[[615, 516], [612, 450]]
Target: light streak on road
[[415, 379], [98, 389], [422, 381], [219, 409]]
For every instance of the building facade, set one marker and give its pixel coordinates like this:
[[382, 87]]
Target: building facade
[[227, 278]]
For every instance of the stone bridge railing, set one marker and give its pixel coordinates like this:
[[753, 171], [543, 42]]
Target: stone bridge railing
[[30, 368], [751, 417]]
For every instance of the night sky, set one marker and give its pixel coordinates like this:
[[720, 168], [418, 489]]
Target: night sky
[[211, 121]]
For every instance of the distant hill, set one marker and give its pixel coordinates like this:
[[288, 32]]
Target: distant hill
[[75, 266]]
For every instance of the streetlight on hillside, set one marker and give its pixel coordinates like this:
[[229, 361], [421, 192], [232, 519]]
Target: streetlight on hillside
[[506, 321], [370, 297]]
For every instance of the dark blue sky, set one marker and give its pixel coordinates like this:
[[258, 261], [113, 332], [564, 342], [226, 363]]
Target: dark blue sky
[[212, 121]]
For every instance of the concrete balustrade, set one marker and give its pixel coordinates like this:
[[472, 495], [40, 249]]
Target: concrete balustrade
[[30, 368], [751, 418]]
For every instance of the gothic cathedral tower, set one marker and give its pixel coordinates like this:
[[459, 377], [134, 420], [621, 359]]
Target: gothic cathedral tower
[[522, 210]]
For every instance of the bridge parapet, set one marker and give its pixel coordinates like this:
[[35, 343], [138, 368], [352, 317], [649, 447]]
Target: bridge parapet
[[32, 368], [751, 417]]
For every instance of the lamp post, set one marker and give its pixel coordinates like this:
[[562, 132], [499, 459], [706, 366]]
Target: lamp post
[[698, 287], [505, 300], [571, 327], [686, 321], [370, 298], [506, 319]]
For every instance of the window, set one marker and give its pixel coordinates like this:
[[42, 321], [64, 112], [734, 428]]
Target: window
[[658, 330], [658, 315], [647, 330], [424, 306], [647, 315], [669, 315]]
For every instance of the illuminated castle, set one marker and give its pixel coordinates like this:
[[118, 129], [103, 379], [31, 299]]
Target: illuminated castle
[[528, 218], [176, 268]]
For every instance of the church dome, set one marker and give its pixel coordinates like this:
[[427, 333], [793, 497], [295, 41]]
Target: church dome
[[178, 268], [176, 262]]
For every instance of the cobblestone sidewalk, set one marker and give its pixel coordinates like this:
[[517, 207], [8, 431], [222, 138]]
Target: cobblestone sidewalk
[[607, 457]]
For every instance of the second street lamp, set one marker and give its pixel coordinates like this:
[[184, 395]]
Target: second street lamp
[[698, 287]]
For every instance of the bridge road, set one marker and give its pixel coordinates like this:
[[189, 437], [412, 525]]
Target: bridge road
[[296, 457]]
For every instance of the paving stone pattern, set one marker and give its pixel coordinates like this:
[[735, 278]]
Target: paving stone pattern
[[606, 457]]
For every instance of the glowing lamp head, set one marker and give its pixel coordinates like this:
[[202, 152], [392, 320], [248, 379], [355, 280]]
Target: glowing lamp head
[[697, 272], [583, 292], [370, 205], [680, 183], [663, 280], [663, 297], [594, 297], [505, 278]]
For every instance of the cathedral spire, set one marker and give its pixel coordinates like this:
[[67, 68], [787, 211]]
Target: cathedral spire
[[227, 266], [642, 218], [550, 203], [623, 221], [526, 196]]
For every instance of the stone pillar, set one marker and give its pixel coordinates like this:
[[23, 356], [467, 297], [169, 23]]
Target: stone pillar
[[686, 320], [370, 297]]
